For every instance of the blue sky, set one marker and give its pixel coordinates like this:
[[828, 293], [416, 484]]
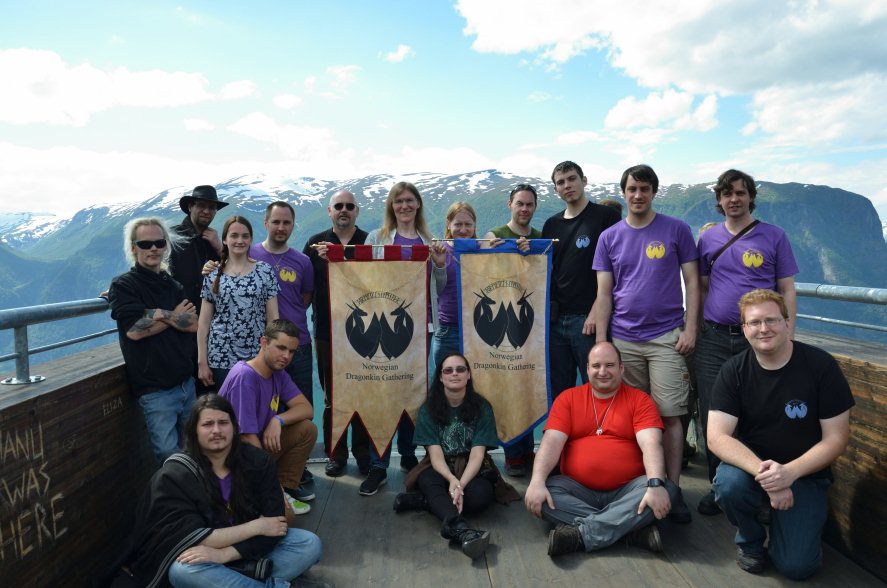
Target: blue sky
[[107, 102]]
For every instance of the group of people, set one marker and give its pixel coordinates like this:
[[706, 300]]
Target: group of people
[[631, 300]]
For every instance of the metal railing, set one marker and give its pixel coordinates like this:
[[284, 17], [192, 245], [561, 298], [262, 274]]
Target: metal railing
[[19, 319], [845, 294]]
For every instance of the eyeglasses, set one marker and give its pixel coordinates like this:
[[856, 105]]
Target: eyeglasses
[[159, 244], [523, 188], [770, 321], [459, 369], [349, 206]]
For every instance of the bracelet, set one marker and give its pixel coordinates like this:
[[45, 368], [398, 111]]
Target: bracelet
[[280, 418]]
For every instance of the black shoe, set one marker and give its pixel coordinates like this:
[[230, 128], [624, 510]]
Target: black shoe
[[679, 513], [707, 505], [752, 562], [300, 493], [375, 480], [474, 542], [410, 501], [564, 539], [646, 538], [408, 462], [307, 477], [363, 465], [335, 468]]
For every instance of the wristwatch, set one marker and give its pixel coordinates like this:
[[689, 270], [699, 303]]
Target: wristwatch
[[655, 483]]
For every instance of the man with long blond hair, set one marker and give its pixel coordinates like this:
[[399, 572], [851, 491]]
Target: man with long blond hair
[[155, 325]]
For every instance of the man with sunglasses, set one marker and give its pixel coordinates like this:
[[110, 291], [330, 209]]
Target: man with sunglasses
[[155, 325], [343, 211], [780, 415]]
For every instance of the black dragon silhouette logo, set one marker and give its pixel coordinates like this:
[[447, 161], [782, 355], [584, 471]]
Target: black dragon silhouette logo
[[506, 323], [367, 339]]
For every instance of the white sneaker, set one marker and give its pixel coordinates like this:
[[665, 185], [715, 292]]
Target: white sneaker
[[298, 506]]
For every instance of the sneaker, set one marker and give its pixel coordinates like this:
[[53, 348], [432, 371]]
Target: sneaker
[[375, 479], [300, 493], [708, 506], [752, 562], [307, 477], [646, 538], [564, 539], [298, 506], [334, 468], [408, 462], [680, 513]]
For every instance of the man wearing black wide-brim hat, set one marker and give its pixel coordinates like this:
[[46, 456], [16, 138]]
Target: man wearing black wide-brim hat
[[200, 244]]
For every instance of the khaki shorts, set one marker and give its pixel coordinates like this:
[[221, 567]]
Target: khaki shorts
[[657, 369]]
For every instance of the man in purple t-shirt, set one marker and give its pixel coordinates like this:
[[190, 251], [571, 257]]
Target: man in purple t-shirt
[[256, 389], [295, 274], [639, 263], [760, 258]]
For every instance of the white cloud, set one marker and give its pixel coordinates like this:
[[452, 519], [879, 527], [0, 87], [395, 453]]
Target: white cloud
[[198, 124], [399, 54], [40, 87], [539, 96], [294, 142], [237, 90], [669, 108], [342, 75], [287, 101]]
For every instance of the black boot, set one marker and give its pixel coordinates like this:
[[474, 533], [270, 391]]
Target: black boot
[[410, 501], [474, 542]]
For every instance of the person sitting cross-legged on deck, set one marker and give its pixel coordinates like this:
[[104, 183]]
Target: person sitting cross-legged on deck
[[456, 425], [612, 486], [213, 515]]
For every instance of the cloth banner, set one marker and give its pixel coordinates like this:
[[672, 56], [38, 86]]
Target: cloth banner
[[378, 313], [503, 309]]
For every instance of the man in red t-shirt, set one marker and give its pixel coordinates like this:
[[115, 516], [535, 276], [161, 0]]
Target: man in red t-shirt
[[608, 438]]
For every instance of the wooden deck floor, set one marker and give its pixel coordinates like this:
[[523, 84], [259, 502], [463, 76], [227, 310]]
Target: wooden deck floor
[[366, 544]]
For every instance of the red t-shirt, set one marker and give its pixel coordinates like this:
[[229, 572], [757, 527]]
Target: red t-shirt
[[612, 459]]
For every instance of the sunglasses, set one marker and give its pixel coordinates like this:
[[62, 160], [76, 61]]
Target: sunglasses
[[459, 369], [159, 244], [349, 206]]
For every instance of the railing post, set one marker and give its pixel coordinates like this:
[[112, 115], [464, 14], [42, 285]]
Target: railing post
[[22, 361]]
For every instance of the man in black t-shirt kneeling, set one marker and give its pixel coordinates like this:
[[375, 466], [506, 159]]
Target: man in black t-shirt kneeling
[[788, 405]]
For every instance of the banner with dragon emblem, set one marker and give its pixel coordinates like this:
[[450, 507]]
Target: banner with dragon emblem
[[378, 313], [503, 305]]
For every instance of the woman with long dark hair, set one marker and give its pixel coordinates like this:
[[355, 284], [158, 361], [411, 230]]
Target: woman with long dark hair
[[239, 300], [456, 425], [214, 514]]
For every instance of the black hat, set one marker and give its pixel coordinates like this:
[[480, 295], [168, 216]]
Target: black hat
[[207, 193]]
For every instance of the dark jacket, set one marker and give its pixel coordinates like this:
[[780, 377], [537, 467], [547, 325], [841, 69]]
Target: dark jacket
[[175, 513], [160, 361], [186, 262]]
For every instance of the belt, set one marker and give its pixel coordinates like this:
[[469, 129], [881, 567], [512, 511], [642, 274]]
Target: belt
[[733, 330]]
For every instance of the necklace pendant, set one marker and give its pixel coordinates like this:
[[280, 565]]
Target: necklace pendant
[[599, 431]]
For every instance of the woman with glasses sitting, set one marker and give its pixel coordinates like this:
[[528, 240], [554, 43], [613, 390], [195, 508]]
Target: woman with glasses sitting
[[456, 425]]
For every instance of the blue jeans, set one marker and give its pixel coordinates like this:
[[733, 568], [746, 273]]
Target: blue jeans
[[795, 534], [165, 413], [714, 346], [444, 341], [299, 370], [293, 555], [405, 430], [567, 352]]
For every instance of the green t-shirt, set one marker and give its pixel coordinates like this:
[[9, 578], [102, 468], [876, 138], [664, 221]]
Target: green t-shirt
[[505, 232], [457, 437]]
